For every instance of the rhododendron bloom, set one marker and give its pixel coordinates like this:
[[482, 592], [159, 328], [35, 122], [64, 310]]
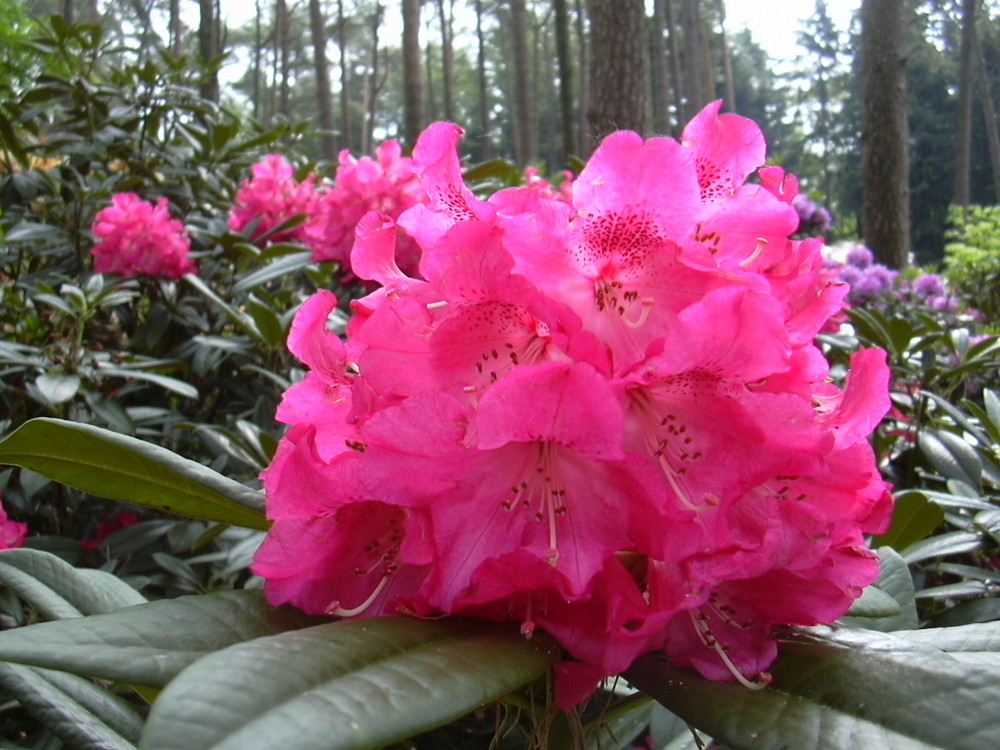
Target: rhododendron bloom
[[12, 533], [271, 197], [387, 184], [137, 237], [605, 416]]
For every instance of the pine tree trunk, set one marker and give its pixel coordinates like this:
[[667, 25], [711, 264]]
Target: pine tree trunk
[[447, 62], [658, 70], [324, 98], [676, 79], [567, 118], [484, 97], [345, 78], [619, 71], [208, 47], [525, 141], [989, 114], [176, 30], [884, 131], [696, 60], [413, 90], [963, 136], [583, 44]]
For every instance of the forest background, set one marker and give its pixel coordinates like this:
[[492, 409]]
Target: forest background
[[521, 77]]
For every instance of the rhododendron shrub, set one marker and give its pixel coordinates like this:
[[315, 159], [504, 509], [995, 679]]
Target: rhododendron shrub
[[605, 418], [136, 237], [331, 210]]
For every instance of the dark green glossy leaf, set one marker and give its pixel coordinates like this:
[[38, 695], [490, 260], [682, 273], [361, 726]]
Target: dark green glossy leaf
[[58, 590], [950, 543], [120, 467], [895, 580], [881, 691], [150, 643], [952, 457], [350, 684], [913, 518], [82, 714]]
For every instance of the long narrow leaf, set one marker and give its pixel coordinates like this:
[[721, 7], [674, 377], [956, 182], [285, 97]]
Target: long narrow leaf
[[884, 692], [82, 714], [58, 590], [351, 684], [120, 467], [151, 643]]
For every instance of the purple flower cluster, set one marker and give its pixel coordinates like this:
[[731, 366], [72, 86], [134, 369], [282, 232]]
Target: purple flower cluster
[[870, 280], [814, 219], [866, 278]]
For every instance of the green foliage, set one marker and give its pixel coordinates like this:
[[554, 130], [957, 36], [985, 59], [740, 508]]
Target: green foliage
[[972, 257]]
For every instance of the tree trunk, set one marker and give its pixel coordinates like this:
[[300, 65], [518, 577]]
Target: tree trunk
[[208, 48], [697, 91], [583, 44], [484, 97], [413, 94], [619, 71], [566, 113], [258, 54], [447, 57], [963, 136], [375, 81], [525, 141], [176, 30], [324, 98], [345, 78], [658, 71], [989, 113], [282, 41], [69, 11], [884, 132], [676, 79]]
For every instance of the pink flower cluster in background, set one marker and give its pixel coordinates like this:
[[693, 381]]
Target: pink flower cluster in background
[[136, 237], [605, 418], [12, 533], [331, 210]]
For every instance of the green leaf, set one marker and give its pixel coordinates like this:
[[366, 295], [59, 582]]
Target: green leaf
[[82, 714], [950, 543], [952, 457], [351, 684], [875, 603], [913, 518], [882, 691], [119, 467], [895, 580], [164, 381], [281, 266], [151, 643], [57, 389], [58, 590]]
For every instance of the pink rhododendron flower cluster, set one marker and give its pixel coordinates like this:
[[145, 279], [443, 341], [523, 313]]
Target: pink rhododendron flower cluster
[[387, 184], [563, 191], [137, 237], [604, 418], [332, 210], [12, 533], [271, 197]]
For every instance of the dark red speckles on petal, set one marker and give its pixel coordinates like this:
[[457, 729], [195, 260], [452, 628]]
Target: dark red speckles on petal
[[714, 183], [617, 239]]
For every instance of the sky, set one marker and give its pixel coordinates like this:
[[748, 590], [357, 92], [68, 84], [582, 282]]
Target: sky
[[775, 24]]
